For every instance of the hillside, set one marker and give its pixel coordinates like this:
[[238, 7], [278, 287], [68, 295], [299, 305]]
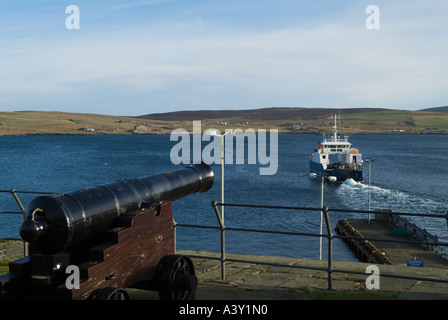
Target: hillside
[[437, 109], [40, 122], [314, 120], [286, 120], [263, 114]]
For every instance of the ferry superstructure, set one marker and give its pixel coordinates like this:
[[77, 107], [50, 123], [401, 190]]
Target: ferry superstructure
[[335, 160]]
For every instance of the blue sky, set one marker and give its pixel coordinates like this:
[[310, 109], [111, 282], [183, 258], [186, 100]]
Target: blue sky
[[147, 56]]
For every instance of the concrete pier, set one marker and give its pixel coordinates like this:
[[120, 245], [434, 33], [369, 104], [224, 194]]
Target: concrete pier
[[386, 248]]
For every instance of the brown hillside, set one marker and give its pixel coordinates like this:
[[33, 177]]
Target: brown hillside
[[257, 114]]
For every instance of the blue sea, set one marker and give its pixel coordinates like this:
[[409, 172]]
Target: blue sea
[[409, 174]]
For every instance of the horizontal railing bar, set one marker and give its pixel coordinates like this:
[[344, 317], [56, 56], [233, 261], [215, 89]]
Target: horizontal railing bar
[[277, 232], [195, 226], [253, 230], [24, 191], [267, 206], [324, 235], [434, 215]]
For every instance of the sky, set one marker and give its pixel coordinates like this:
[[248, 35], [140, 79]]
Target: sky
[[149, 56]]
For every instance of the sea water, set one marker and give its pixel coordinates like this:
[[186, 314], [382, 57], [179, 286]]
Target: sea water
[[409, 174]]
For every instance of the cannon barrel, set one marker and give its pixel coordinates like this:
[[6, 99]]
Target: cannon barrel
[[55, 223]]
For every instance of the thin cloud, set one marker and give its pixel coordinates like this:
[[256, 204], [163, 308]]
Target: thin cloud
[[197, 64]]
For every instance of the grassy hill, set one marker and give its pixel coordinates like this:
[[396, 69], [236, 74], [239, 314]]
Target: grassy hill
[[39, 122], [437, 109], [264, 114], [316, 120], [286, 120]]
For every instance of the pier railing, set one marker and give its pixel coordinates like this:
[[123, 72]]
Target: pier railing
[[329, 235]]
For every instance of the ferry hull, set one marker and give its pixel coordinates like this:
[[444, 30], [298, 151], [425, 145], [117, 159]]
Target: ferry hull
[[340, 174]]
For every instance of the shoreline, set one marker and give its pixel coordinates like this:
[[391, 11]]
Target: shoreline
[[286, 121], [168, 133]]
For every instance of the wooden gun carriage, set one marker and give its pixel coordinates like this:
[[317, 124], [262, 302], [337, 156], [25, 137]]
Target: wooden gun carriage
[[94, 243]]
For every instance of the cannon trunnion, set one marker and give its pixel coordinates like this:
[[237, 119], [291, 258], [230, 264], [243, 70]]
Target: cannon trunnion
[[136, 250]]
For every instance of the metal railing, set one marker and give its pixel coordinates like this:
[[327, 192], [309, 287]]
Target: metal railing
[[329, 236], [222, 228], [14, 194]]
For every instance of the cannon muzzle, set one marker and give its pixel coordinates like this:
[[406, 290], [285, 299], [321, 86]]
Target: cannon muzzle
[[57, 222]]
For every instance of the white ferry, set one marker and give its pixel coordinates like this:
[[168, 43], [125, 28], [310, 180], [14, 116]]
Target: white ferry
[[335, 160]]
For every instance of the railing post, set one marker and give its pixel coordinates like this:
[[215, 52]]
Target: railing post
[[22, 208], [14, 194], [330, 247], [175, 235], [223, 242]]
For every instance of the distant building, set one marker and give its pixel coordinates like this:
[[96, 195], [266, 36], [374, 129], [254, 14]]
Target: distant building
[[88, 129], [297, 126], [141, 128]]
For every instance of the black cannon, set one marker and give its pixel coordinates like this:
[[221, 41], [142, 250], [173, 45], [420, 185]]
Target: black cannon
[[119, 235]]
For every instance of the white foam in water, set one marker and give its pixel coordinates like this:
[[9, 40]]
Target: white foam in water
[[354, 195], [382, 198]]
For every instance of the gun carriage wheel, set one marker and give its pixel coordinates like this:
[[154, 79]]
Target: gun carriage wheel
[[177, 278]]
